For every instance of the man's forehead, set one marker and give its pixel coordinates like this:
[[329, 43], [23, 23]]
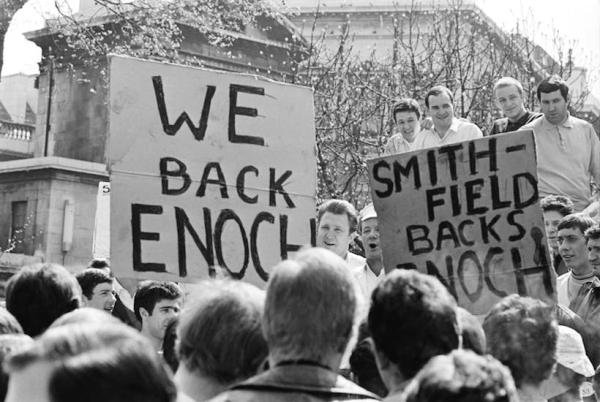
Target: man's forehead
[[550, 95], [167, 303], [507, 89], [330, 217], [104, 286], [570, 232], [593, 243]]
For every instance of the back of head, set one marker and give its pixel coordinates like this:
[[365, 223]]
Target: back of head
[[576, 221], [39, 294], [10, 343], [310, 308], [522, 333], [103, 362], [473, 336], [8, 323], [220, 334], [89, 278], [561, 204], [339, 207], [86, 315], [151, 292], [462, 376], [552, 84], [593, 233], [99, 263], [412, 318]]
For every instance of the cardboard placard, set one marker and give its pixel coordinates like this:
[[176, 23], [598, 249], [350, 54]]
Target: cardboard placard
[[469, 214], [207, 169], [101, 237]]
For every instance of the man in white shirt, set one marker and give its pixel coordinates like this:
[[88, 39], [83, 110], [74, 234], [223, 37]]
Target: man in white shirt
[[335, 223], [573, 250], [372, 272], [446, 129], [407, 118]]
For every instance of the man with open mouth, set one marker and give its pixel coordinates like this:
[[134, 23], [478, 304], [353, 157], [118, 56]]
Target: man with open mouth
[[98, 289], [371, 273]]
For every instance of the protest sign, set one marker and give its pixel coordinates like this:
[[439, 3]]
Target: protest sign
[[469, 214], [101, 237], [207, 169]]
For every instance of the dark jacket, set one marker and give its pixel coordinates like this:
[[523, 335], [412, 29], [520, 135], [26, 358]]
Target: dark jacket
[[299, 382]]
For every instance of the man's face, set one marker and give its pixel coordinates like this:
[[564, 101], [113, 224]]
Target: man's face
[[441, 111], [408, 124], [593, 247], [572, 248], [554, 106], [103, 297], [510, 101], [370, 238], [164, 311], [333, 233], [551, 219], [31, 383]]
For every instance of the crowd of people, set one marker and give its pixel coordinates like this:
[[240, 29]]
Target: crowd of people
[[333, 324]]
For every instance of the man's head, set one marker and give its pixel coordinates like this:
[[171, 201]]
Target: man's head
[[554, 208], [553, 95], [571, 241], [369, 232], [98, 289], [103, 362], [155, 304], [508, 93], [336, 221], [439, 102], [8, 323], [39, 294], [522, 333], [412, 318], [317, 278], [592, 238], [463, 376], [407, 114], [220, 335]]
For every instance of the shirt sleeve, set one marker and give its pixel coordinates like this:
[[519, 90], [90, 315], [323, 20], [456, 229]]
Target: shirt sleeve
[[595, 155], [475, 132]]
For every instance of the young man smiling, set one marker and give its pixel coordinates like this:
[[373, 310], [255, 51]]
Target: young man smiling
[[509, 97], [573, 250], [98, 289]]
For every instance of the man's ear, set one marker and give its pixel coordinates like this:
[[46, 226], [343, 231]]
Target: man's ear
[[144, 313]]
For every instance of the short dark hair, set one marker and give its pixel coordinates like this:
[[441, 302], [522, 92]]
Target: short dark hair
[[39, 294], [559, 203], [339, 207], [99, 263], [462, 376], [406, 105], [413, 318], [436, 91], [578, 220], [522, 333], [592, 233], [551, 84], [8, 323], [151, 292], [90, 278], [220, 334]]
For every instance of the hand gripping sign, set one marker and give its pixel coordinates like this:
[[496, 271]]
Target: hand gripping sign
[[469, 214], [207, 169]]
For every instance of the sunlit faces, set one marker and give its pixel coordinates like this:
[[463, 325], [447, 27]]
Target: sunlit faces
[[31, 383], [573, 250], [551, 219], [510, 101], [593, 248], [408, 124], [164, 311], [554, 106], [103, 297], [370, 238], [333, 233], [441, 111]]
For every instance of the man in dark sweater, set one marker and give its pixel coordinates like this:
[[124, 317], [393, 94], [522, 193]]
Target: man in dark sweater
[[509, 96]]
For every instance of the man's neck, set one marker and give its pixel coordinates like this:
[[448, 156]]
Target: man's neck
[[582, 271], [516, 119], [196, 386], [156, 343], [442, 130], [375, 265]]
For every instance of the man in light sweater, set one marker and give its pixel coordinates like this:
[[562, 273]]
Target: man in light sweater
[[573, 250]]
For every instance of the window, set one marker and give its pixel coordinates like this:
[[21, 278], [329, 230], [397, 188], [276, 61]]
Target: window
[[17, 229]]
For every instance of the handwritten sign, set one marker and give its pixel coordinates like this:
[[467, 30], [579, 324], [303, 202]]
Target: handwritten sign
[[101, 236], [207, 169], [467, 213]]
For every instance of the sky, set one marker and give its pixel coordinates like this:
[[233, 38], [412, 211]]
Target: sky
[[576, 21]]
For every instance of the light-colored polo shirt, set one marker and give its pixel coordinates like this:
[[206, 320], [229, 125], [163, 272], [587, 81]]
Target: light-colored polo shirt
[[459, 131], [568, 156], [397, 144], [354, 260], [367, 280]]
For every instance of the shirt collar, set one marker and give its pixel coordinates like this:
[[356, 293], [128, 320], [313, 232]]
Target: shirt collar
[[568, 123], [453, 128]]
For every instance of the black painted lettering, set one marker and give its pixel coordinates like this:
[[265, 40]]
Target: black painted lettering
[[432, 202], [519, 188], [474, 295], [450, 151], [497, 203], [487, 269], [448, 280], [234, 110], [399, 170], [473, 193], [455, 199], [137, 210], [241, 184], [411, 232], [220, 180], [487, 229], [377, 177], [172, 129], [224, 216], [520, 229], [179, 171], [432, 163], [490, 154], [276, 186], [206, 248], [406, 265], [461, 232], [446, 231], [261, 217], [284, 247]]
